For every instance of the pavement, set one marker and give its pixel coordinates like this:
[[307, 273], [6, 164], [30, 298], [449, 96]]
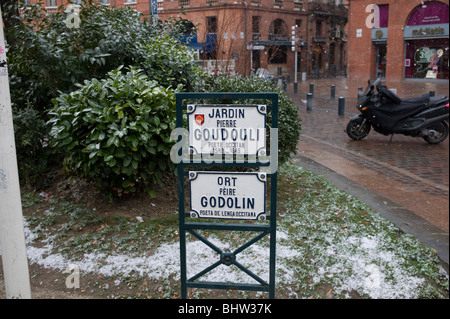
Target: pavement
[[406, 180]]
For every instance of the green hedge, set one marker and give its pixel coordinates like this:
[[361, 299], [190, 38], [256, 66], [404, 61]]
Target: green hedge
[[116, 131], [57, 57]]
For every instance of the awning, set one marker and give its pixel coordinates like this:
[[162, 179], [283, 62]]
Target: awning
[[205, 47]]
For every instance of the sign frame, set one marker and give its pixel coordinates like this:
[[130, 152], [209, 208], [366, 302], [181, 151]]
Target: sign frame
[[264, 228]]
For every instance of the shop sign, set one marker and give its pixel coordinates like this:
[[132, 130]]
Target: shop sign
[[427, 31], [379, 34]]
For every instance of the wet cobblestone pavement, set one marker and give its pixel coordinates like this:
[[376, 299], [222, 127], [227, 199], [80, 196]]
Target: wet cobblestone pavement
[[407, 170]]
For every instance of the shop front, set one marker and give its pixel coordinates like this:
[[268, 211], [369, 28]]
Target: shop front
[[379, 41], [426, 37]]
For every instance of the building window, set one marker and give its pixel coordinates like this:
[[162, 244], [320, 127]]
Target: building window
[[256, 34], [318, 28], [277, 55], [51, 3], [211, 24], [298, 5], [184, 3], [384, 15], [278, 3], [255, 24]]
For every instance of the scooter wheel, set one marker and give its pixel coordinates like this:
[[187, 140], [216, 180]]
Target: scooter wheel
[[442, 130], [358, 129]]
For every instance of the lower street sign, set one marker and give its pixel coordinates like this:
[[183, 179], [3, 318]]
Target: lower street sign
[[226, 195]]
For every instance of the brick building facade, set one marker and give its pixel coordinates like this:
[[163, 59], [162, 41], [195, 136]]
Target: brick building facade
[[399, 40], [256, 34]]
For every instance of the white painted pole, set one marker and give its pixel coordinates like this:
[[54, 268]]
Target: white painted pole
[[12, 239]]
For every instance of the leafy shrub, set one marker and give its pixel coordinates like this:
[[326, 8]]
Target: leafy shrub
[[170, 63], [116, 131], [289, 125], [32, 155], [56, 56]]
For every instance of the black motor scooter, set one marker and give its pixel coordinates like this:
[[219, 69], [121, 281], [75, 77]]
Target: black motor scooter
[[424, 116]]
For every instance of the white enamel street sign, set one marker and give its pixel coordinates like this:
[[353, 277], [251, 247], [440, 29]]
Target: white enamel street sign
[[227, 129], [227, 195]]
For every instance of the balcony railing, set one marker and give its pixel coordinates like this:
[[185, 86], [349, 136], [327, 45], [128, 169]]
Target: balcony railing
[[329, 9]]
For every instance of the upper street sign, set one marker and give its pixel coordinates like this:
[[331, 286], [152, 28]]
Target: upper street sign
[[227, 129]]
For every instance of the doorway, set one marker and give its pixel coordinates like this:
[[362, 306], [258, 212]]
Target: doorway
[[380, 60], [317, 56]]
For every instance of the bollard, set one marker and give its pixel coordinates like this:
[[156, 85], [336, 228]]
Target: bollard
[[309, 101], [333, 91], [432, 93], [295, 87], [360, 92], [311, 88], [341, 106]]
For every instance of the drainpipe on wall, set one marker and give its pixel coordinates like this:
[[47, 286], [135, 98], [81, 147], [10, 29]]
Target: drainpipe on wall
[[245, 38]]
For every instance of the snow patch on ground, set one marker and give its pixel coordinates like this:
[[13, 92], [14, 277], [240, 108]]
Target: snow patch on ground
[[353, 264]]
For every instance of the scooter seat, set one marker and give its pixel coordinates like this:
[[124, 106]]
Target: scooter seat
[[435, 100], [408, 105], [419, 100]]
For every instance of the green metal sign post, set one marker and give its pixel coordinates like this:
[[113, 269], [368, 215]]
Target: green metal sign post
[[224, 136]]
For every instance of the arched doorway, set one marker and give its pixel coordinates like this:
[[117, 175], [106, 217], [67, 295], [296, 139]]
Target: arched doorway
[[317, 61]]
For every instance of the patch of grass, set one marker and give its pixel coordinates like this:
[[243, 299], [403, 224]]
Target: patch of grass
[[329, 245], [350, 247]]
